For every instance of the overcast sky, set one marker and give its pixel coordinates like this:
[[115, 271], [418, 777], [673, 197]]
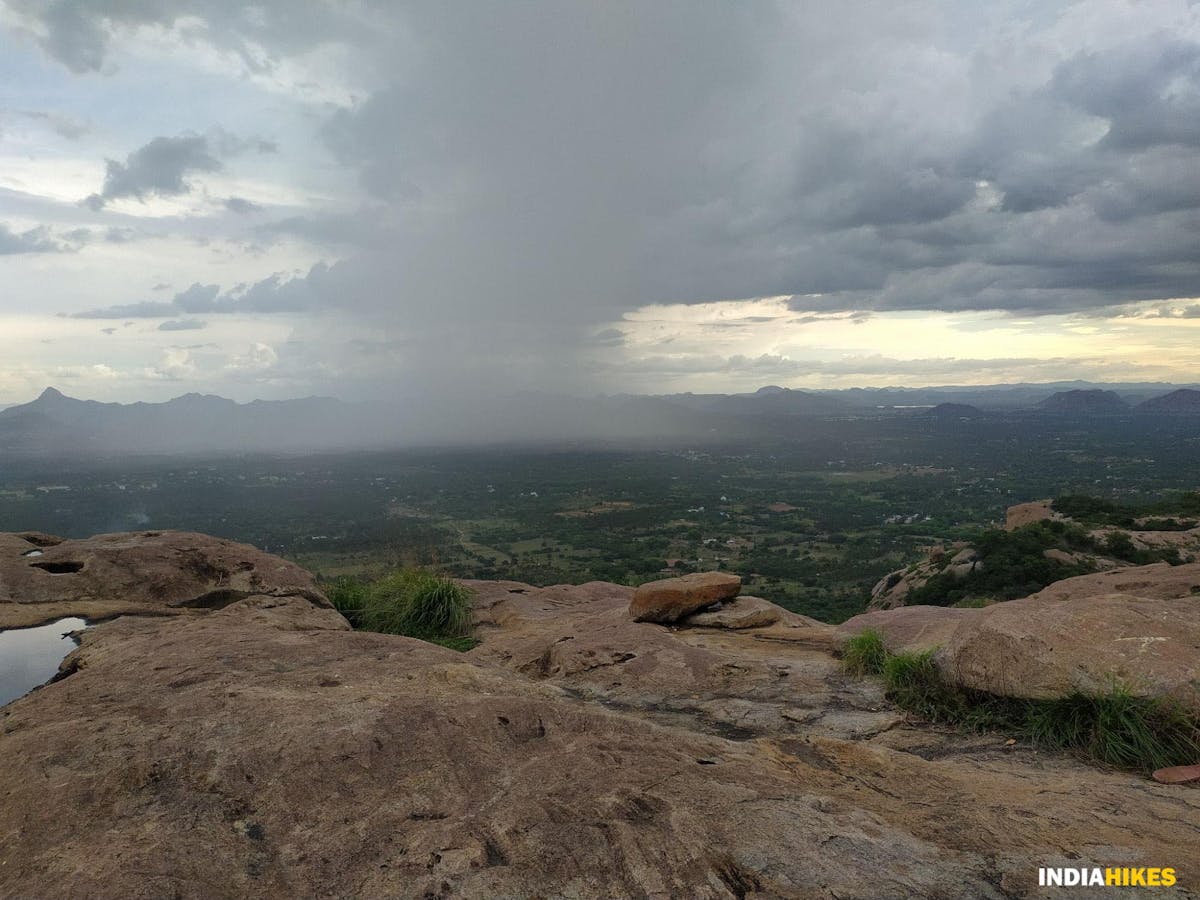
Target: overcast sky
[[347, 198]]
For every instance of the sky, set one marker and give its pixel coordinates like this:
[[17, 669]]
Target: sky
[[368, 197]]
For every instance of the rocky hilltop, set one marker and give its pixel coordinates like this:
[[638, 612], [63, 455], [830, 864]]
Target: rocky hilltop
[[1087, 549], [221, 732]]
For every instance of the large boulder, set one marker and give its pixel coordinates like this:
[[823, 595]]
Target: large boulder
[[1050, 648], [738, 613], [43, 577], [909, 628], [1138, 627], [893, 590], [671, 599]]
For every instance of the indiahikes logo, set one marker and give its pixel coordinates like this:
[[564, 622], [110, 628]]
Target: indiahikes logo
[[1109, 877]]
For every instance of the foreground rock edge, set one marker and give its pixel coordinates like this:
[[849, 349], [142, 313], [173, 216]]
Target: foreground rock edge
[[186, 726]]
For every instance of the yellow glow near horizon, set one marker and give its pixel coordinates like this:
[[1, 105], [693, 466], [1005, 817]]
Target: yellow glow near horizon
[[745, 341]]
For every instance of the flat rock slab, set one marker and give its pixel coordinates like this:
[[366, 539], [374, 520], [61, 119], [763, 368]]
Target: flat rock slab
[[671, 599], [148, 573], [740, 613], [1158, 581], [263, 750]]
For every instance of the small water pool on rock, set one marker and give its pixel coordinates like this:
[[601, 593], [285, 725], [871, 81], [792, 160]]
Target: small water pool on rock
[[30, 656]]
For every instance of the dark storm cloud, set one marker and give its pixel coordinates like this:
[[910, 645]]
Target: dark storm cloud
[[537, 169], [158, 168], [1148, 91]]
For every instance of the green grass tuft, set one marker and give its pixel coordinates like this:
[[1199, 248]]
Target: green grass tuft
[[864, 654], [348, 596], [1118, 729], [409, 602], [1115, 728]]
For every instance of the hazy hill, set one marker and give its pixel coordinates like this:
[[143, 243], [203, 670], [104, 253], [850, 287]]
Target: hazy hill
[[1090, 402], [1184, 400], [57, 424]]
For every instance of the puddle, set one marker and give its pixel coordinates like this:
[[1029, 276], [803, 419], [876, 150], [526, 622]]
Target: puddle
[[32, 553], [30, 656]]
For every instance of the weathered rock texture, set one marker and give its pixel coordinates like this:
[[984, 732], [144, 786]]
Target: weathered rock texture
[[1044, 649], [738, 613], [262, 749], [1137, 626], [671, 599], [148, 573]]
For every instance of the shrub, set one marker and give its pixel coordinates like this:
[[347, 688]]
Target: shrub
[[1117, 728], [348, 595], [864, 654], [409, 602], [417, 604]]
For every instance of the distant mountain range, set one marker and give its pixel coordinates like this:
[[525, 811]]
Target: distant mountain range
[[55, 425]]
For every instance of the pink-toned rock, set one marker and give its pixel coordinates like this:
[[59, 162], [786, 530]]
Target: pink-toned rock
[[263, 749], [1042, 648], [737, 614], [671, 599], [148, 573], [909, 628], [1178, 774], [1159, 581]]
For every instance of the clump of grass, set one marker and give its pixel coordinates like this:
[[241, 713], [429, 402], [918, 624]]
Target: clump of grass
[[865, 654], [409, 602], [348, 596], [1118, 729], [1115, 728], [418, 604]]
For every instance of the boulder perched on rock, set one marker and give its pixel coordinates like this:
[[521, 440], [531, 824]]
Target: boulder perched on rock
[[738, 613], [43, 577], [671, 599]]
